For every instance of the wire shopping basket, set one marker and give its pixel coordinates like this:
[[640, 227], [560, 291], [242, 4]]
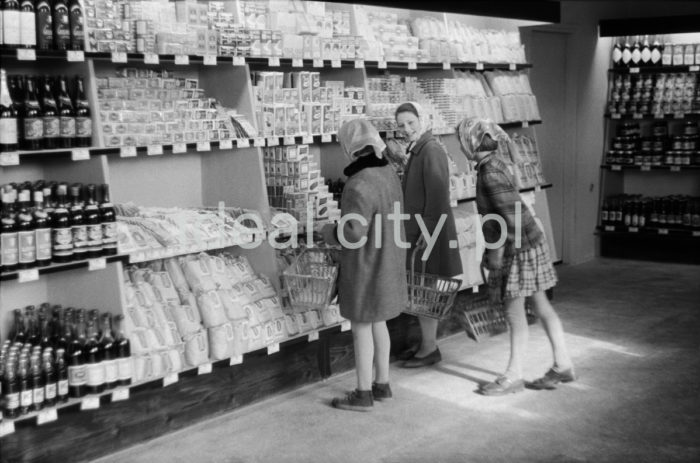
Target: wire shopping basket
[[310, 279], [429, 295]]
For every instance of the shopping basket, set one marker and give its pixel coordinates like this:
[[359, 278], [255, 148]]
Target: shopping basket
[[310, 279], [429, 295]]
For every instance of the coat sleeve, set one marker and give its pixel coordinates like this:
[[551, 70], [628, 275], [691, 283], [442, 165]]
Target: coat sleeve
[[436, 181], [501, 197], [357, 199]]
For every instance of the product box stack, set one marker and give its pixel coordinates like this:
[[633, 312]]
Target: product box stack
[[656, 94], [388, 38], [295, 184], [518, 103], [484, 45], [144, 107], [108, 26]]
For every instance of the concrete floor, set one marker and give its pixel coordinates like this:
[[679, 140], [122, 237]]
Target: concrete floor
[[634, 333]]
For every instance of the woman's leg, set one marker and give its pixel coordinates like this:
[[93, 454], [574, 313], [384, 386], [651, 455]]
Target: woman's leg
[[382, 346], [428, 329], [553, 328], [517, 322], [364, 354]]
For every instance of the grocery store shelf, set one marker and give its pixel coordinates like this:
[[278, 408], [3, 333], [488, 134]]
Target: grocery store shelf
[[33, 274], [652, 117], [620, 167], [648, 231], [504, 125], [524, 190], [655, 69]]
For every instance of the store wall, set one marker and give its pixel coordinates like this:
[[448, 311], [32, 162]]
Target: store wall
[[587, 62]]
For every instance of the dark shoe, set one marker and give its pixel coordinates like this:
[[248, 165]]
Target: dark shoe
[[430, 359], [358, 401], [502, 386], [552, 378], [408, 353], [381, 391]]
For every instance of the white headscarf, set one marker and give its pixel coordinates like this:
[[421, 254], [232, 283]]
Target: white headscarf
[[425, 121], [356, 134]]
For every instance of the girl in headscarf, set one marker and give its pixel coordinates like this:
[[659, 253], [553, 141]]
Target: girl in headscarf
[[520, 266], [426, 188], [372, 284]]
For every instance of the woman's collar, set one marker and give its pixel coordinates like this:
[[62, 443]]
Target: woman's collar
[[363, 163], [422, 140], [484, 159]]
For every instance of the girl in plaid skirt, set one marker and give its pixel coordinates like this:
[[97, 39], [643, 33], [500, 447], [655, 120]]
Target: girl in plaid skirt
[[519, 262]]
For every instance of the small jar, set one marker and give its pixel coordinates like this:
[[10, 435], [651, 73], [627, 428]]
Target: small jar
[[690, 128], [677, 143]]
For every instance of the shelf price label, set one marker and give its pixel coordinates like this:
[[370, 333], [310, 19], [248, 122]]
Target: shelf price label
[[479, 66], [273, 348], [335, 63], [210, 60], [235, 360], [318, 63], [637, 116], [679, 115], [243, 143], [695, 68], [610, 228], [289, 141], [446, 65], [696, 234], [154, 150], [182, 60], [75, 56], [412, 66], [326, 138], [120, 394], [525, 124], [273, 141], [25, 276], [675, 168], [359, 64], [634, 70], [47, 416], [226, 144], [475, 289], [151, 58], [90, 403], [119, 57], [203, 146], [615, 167], [307, 139], [633, 229], [616, 116], [7, 427], [273, 61], [658, 115], [313, 336], [381, 64], [538, 188], [26, 54], [9, 159], [345, 325], [297, 63], [645, 168], [663, 231], [80, 154], [512, 67], [179, 148], [172, 378], [99, 263], [259, 142], [127, 151], [239, 61], [204, 369]]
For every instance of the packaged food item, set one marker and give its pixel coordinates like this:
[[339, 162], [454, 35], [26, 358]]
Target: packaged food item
[[221, 341], [186, 318], [196, 348], [211, 309]]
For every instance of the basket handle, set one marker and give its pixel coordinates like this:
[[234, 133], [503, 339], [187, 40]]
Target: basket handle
[[420, 246]]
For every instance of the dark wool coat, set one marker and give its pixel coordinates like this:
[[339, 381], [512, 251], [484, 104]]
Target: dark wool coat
[[426, 187]]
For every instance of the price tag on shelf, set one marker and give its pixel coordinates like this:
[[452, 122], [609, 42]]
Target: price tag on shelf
[[696, 234], [525, 124], [75, 56], [679, 115], [675, 168], [154, 150], [259, 142], [615, 167], [99, 263], [538, 188], [637, 116], [46, 416], [273, 61], [318, 63], [179, 148], [120, 394], [645, 168], [90, 403], [26, 54], [634, 70], [512, 67], [475, 289], [695, 68], [273, 141], [610, 228], [9, 159], [151, 58], [182, 60], [359, 64], [172, 378], [412, 65], [307, 139], [203, 146], [289, 141], [80, 154], [389, 134], [479, 66], [7, 427], [239, 61], [345, 325], [119, 57], [335, 63], [313, 336], [210, 60], [243, 143], [297, 63], [226, 144], [633, 229], [446, 65], [658, 115], [204, 369], [326, 138], [25, 276], [235, 360], [381, 65], [273, 348], [663, 231], [616, 116], [127, 151]]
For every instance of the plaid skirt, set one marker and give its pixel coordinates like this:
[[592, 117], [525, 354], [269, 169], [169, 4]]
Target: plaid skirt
[[523, 274]]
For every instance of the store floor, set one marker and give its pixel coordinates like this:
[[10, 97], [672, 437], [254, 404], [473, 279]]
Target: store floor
[[633, 331]]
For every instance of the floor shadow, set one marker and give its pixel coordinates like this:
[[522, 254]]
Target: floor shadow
[[475, 368], [478, 381]]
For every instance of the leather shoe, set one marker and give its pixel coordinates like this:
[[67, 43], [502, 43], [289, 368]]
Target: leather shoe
[[408, 353], [552, 378], [502, 386], [430, 359]]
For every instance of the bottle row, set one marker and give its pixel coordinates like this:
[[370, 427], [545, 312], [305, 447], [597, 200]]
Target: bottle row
[[42, 24], [52, 229], [43, 113], [54, 353], [654, 94], [638, 51], [656, 147], [681, 212]]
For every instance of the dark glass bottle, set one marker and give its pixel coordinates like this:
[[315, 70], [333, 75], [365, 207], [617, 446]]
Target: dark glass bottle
[[27, 20], [83, 119], [62, 389], [44, 334], [50, 379], [636, 53], [44, 25], [626, 53], [42, 231], [93, 220], [109, 223], [10, 391], [645, 53], [77, 31], [78, 226], [95, 371], [656, 52], [32, 329], [9, 247], [124, 368], [617, 54], [36, 381], [12, 36], [61, 232], [26, 395], [77, 374], [52, 127], [109, 350], [32, 119], [8, 117], [26, 235], [66, 116], [19, 329], [61, 25]]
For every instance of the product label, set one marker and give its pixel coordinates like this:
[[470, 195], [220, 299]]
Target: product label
[[27, 247], [42, 237], [10, 249], [25, 398], [11, 27], [94, 235], [12, 401], [38, 395], [67, 127], [61, 25], [111, 371], [8, 131], [124, 368], [33, 128], [83, 127], [63, 387], [76, 22], [109, 235], [95, 374], [80, 237], [655, 55], [616, 55], [77, 376], [51, 391], [27, 28], [52, 127], [62, 241], [45, 24]]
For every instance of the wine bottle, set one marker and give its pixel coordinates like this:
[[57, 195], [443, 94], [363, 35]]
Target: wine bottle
[[19, 330], [25, 388], [42, 231], [95, 371], [109, 224], [10, 391], [109, 350], [11, 23], [93, 220], [44, 25], [78, 226], [50, 379], [61, 25], [626, 53], [617, 54], [32, 119], [645, 52], [44, 334], [66, 115], [8, 236], [61, 232], [26, 235], [49, 107], [8, 116], [77, 374], [36, 380], [667, 53], [636, 53], [77, 32], [124, 368], [27, 28], [656, 52], [83, 120]]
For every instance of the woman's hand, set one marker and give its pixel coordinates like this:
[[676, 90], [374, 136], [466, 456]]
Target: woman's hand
[[494, 258]]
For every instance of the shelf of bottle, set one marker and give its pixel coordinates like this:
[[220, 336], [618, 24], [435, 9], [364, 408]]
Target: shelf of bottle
[[653, 117], [32, 274], [122, 58], [655, 69], [646, 168], [649, 231], [537, 188]]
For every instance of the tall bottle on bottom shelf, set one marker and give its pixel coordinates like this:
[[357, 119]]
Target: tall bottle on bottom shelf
[[123, 349], [94, 367], [77, 373]]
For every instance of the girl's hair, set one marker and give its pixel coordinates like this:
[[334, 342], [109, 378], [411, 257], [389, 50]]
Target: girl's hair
[[406, 108], [488, 144]]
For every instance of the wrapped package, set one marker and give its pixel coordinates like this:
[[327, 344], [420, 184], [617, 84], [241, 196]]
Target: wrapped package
[[186, 318], [211, 309], [221, 342], [196, 348], [198, 275]]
